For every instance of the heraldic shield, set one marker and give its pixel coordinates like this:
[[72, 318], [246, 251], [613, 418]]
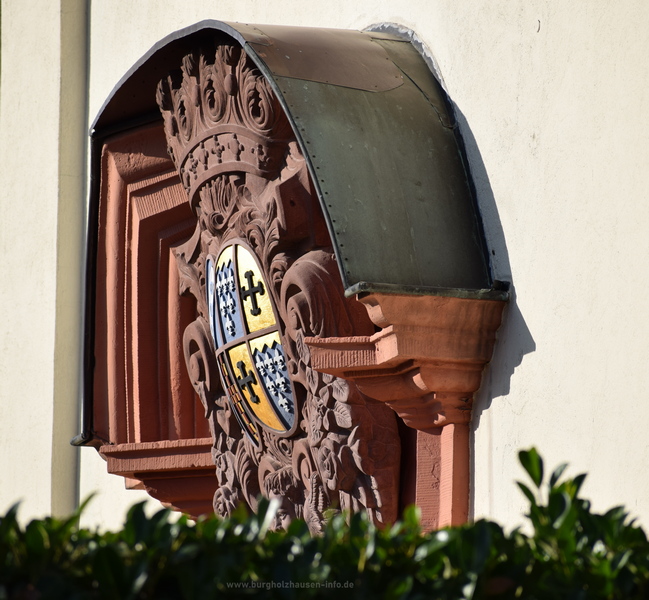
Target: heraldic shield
[[250, 357]]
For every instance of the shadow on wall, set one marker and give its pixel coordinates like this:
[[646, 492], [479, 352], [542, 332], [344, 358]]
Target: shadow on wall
[[514, 339]]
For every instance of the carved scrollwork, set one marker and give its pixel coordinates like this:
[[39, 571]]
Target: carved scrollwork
[[199, 358], [262, 269]]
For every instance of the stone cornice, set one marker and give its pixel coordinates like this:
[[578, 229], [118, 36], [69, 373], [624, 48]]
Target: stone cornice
[[426, 362]]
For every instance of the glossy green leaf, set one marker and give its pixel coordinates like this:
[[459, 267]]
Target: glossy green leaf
[[481, 545], [621, 559], [399, 588], [533, 465], [36, 537], [559, 508], [577, 482], [556, 474], [528, 493]]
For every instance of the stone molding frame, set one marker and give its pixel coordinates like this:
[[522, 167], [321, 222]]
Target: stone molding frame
[[377, 378], [144, 406]]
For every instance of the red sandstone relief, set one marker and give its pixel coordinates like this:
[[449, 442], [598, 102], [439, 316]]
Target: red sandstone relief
[[146, 419], [260, 265], [299, 386]]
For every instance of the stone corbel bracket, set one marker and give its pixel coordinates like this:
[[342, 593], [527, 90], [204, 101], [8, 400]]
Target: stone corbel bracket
[[426, 363]]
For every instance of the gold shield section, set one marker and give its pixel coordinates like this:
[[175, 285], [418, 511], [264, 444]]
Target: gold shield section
[[244, 372], [276, 375], [225, 256], [237, 401], [258, 343], [254, 292]]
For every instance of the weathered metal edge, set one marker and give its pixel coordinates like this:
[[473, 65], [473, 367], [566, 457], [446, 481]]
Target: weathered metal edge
[[363, 288]]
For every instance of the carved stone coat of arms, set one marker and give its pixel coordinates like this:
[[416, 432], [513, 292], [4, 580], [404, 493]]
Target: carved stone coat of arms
[[262, 270]]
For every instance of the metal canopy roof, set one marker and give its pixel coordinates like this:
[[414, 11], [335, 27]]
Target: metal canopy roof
[[380, 142]]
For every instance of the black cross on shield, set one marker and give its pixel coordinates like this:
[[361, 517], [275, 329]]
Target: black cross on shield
[[246, 381], [252, 292]]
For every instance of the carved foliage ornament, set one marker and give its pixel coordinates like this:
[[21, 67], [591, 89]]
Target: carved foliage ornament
[[261, 267]]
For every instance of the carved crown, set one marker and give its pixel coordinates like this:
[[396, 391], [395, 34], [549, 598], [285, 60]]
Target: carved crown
[[221, 116]]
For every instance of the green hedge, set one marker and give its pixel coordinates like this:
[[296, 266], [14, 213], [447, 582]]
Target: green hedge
[[570, 552]]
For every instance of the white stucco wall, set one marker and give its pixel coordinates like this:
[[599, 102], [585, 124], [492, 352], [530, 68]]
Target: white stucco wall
[[28, 140], [561, 123], [43, 106], [553, 99]]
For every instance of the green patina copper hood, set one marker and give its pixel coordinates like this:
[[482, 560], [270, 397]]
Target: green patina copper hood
[[380, 142]]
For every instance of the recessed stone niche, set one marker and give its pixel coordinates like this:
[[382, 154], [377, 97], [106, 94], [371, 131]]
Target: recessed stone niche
[[290, 294]]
